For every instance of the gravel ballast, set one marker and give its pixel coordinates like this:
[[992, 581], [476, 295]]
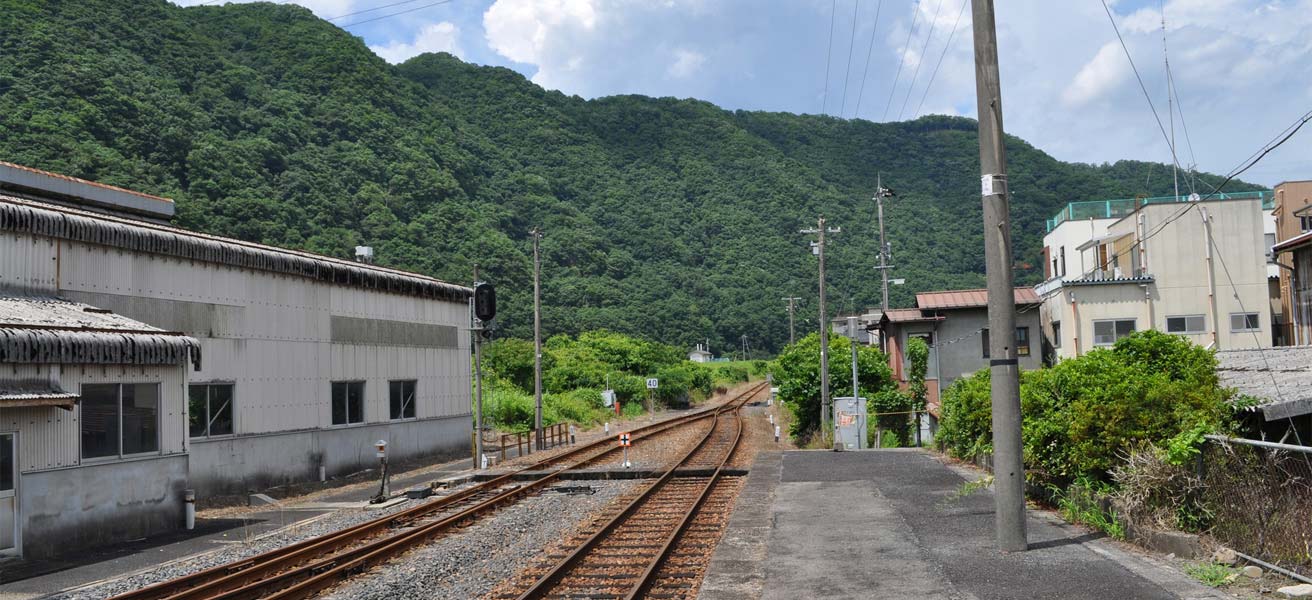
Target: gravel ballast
[[329, 523], [472, 562]]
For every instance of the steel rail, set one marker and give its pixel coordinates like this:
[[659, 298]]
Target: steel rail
[[330, 571], [558, 573], [249, 572]]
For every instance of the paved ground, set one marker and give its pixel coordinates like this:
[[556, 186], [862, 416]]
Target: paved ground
[[893, 524]]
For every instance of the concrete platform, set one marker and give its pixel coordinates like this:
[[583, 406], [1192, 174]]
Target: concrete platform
[[892, 524]]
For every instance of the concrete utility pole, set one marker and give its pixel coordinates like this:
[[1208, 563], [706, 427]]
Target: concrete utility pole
[[819, 249], [537, 337], [792, 336], [1008, 470], [851, 330], [885, 252], [744, 346]]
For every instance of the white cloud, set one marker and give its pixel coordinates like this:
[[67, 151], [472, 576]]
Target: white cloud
[[686, 63], [522, 30], [434, 37], [1107, 69]]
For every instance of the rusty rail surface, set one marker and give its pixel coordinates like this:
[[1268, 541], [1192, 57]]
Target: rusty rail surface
[[611, 580], [304, 568]]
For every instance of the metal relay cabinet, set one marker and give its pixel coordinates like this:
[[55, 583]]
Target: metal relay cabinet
[[849, 423]]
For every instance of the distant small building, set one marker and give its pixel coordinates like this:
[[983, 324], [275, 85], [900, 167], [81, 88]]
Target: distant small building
[[862, 333], [955, 325], [700, 354]]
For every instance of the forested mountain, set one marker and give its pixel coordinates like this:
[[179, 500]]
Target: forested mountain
[[672, 219]]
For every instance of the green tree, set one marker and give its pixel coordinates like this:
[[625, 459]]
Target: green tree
[[798, 377]]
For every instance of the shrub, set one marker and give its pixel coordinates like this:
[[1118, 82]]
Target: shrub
[[798, 376], [896, 427], [732, 374], [966, 427], [508, 408]]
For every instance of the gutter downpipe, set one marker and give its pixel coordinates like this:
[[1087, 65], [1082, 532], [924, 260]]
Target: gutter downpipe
[[1075, 318], [1211, 277]]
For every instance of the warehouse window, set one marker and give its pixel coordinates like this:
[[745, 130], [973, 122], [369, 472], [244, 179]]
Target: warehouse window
[[401, 395], [1105, 333], [209, 409], [1244, 322], [348, 402], [119, 419], [1186, 324]]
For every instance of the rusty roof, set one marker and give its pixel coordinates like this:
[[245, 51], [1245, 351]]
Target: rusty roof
[[909, 315], [87, 182], [978, 298]]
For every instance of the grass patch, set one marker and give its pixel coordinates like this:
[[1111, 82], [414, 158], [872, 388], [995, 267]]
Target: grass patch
[[1212, 574]]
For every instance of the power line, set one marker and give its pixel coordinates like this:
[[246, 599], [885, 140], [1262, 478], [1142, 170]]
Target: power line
[[368, 10], [920, 60], [1142, 87], [946, 46], [829, 51], [901, 59], [847, 71], [865, 72], [399, 12]]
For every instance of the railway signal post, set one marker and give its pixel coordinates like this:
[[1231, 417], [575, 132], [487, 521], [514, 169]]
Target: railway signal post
[[624, 443]]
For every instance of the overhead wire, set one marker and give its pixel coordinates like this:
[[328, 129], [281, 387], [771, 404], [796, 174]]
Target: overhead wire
[[866, 71], [920, 60], [941, 56], [369, 10], [847, 71], [829, 51], [399, 12], [915, 12]]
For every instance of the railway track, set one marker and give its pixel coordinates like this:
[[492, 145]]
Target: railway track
[[303, 569], [657, 543]]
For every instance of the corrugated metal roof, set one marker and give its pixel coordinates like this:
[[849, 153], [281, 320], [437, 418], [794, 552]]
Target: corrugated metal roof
[[55, 331], [1280, 377], [35, 393], [83, 182], [49, 220], [976, 298], [909, 315]]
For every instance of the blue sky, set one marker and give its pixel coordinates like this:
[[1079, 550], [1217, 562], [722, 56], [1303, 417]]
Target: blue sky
[[1242, 68]]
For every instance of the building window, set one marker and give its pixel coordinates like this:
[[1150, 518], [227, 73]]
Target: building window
[[1305, 223], [1186, 324], [1245, 322], [209, 409], [1062, 252], [1056, 334], [1269, 239], [1105, 333], [401, 395], [119, 419], [348, 402], [1022, 341]]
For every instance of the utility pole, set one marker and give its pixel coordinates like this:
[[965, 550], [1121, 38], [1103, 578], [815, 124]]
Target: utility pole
[[537, 337], [792, 336], [1008, 470], [478, 381], [818, 248], [851, 330], [744, 346], [885, 253]]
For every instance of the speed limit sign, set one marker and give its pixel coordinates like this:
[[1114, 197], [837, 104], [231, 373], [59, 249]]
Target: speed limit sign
[[653, 383]]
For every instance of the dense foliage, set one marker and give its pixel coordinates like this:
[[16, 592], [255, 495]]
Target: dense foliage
[[576, 370], [1083, 415], [668, 218], [797, 375]]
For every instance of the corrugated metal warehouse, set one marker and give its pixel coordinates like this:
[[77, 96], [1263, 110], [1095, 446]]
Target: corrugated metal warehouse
[[307, 360]]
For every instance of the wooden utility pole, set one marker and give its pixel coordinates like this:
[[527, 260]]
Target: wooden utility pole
[[1008, 470], [819, 250], [792, 337], [537, 337]]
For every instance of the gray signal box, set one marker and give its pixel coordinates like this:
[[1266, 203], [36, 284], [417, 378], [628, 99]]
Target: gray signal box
[[849, 423]]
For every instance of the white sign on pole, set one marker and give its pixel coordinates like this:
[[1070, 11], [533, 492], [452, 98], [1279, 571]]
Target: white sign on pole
[[653, 383]]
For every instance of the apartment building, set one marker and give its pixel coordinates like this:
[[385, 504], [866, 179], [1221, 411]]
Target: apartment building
[[1182, 265]]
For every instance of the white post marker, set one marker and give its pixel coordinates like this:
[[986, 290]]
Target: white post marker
[[607, 427], [776, 434], [624, 443]]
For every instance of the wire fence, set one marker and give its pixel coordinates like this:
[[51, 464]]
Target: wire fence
[[1261, 496]]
